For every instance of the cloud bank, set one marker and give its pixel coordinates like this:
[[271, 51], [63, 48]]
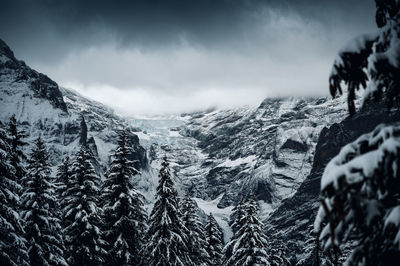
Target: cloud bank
[[177, 56]]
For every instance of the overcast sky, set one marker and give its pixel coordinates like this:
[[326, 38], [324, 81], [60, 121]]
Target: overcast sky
[[156, 56]]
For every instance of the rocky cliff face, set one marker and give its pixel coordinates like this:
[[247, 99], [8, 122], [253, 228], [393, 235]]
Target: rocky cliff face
[[17, 73], [44, 109], [289, 222]]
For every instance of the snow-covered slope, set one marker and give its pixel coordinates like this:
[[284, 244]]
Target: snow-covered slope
[[43, 109]]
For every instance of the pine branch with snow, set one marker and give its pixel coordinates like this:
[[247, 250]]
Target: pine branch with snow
[[371, 61], [360, 198]]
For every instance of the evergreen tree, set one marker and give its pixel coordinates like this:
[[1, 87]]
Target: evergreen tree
[[125, 216], [42, 226], [311, 250], [214, 241], [12, 241], [167, 234], [314, 255], [278, 254], [63, 176], [371, 61], [250, 247], [83, 237], [63, 184], [237, 220], [16, 143], [359, 188], [237, 216], [197, 240]]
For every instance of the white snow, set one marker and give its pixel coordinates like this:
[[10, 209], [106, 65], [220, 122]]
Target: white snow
[[367, 163], [246, 160], [221, 215]]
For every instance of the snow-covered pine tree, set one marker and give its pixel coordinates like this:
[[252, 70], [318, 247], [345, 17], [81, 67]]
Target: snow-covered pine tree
[[359, 188], [63, 177], [124, 214], [17, 143], [251, 246], [311, 251], [214, 241], [197, 240], [237, 216], [371, 61], [237, 221], [83, 236], [360, 198], [63, 183], [167, 235], [40, 209], [12, 241], [278, 254], [315, 255]]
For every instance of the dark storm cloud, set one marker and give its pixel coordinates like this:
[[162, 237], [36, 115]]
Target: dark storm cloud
[[38, 26], [176, 55]]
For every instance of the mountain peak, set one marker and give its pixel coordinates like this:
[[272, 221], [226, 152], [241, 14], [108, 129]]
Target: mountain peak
[[5, 51], [17, 72]]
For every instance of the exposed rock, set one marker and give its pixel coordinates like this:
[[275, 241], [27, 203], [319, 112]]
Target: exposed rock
[[291, 220], [18, 72]]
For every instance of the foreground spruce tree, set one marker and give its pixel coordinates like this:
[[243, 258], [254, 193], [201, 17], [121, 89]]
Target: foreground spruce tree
[[125, 216], [250, 246], [197, 240], [17, 143], [12, 240], [167, 235], [214, 241], [42, 226], [83, 237]]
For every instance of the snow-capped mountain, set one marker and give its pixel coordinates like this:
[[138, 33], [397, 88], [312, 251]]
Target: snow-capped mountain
[[226, 154], [222, 155], [217, 156], [44, 109]]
